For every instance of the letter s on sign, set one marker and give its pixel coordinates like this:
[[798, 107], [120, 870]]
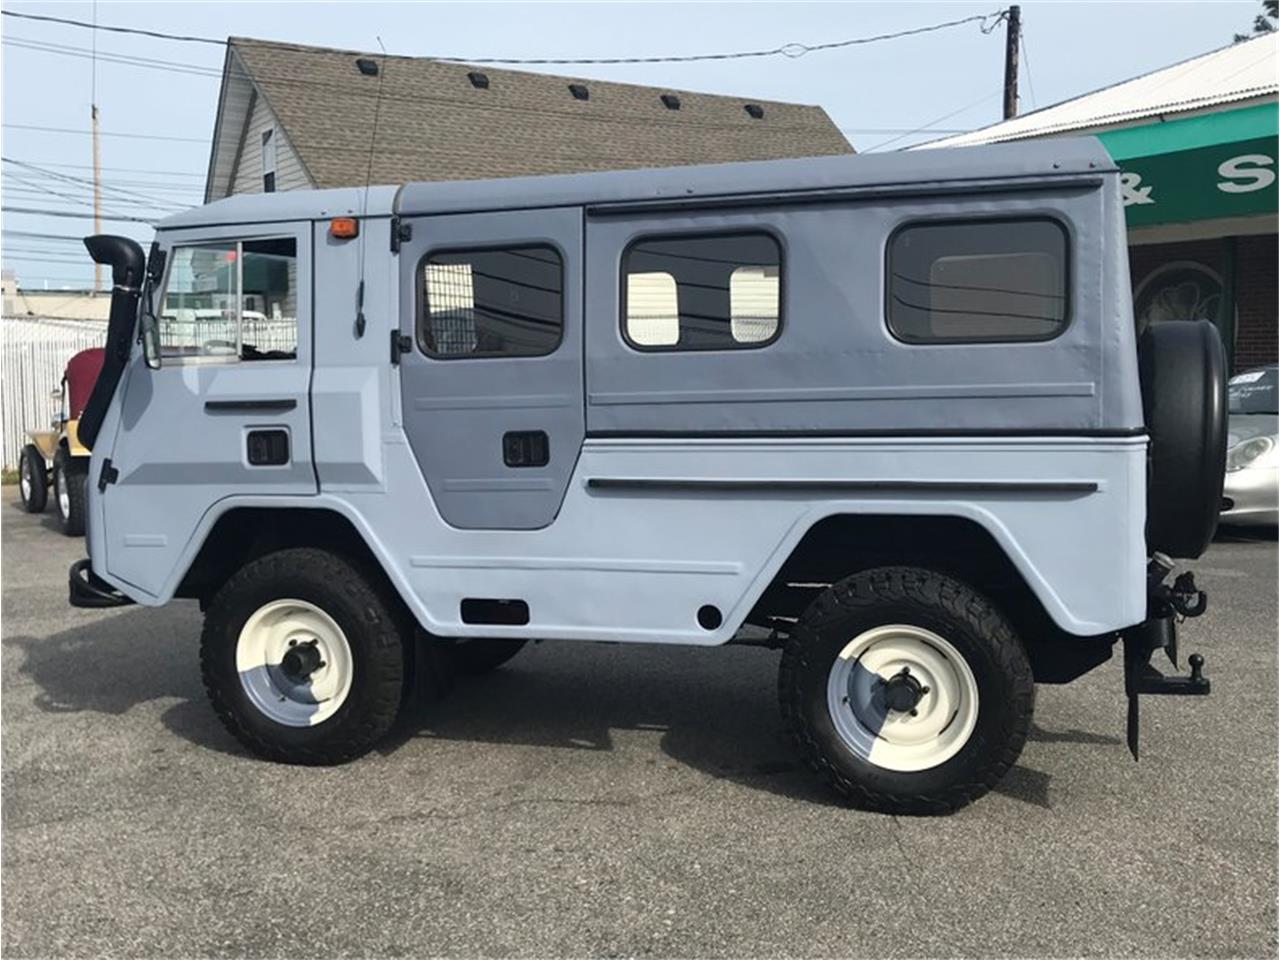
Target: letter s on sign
[[1249, 168]]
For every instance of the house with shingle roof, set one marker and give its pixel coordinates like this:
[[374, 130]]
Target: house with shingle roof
[[293, 117]]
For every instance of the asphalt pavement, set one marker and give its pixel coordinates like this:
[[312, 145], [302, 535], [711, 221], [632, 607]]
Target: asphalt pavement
[[591, 799]]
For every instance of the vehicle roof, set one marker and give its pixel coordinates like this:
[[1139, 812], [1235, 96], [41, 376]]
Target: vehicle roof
[[1039, 158]]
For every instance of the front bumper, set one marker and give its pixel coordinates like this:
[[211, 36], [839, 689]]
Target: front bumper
[[87, 589], [1250, 495]]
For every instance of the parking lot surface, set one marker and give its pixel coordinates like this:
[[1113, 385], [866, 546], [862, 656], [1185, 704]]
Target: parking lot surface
[[613, 800]]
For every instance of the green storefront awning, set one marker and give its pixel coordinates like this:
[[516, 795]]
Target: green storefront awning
[[1204, 167]]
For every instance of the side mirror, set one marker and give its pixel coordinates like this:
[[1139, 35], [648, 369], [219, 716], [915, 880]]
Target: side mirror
[[150, 337]]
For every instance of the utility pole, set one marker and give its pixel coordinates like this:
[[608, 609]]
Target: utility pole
[[1013, 31], [97, 195], [97, 153]]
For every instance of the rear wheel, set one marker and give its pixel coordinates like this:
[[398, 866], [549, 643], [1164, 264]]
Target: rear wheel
[[33, 480], [304, 657], [476, 657], [907, 690], [69, 474]]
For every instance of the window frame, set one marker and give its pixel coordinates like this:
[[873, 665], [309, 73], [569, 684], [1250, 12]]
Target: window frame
[[192, 360], [421, 305], [753, 231], [1068, 313]]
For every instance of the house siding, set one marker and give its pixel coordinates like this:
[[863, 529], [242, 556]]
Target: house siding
[[247, 177]]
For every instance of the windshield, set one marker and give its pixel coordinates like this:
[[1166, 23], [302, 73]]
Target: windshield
[[1254, 392]]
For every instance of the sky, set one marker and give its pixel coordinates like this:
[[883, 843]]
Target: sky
[[947, 80]]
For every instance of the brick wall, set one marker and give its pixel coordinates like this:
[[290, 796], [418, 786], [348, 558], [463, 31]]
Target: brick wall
[[1256, 298], [1256, 287]]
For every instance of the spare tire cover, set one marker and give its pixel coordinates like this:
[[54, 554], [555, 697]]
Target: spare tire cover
[[1183, 370]]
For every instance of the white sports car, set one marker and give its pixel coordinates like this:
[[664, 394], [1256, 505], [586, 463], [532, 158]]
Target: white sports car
[[1253, 449]]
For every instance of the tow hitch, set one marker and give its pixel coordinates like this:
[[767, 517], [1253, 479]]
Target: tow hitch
[[1167, 606]]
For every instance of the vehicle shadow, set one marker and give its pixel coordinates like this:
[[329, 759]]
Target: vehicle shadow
[[1244, 534], [714, 710]]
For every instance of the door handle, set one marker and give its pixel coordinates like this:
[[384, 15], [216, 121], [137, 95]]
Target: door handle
[[250, 406]]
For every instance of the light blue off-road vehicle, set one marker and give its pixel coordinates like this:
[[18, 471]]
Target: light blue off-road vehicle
[[887, 413]]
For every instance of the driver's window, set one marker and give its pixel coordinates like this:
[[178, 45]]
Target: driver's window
[[231, 300]]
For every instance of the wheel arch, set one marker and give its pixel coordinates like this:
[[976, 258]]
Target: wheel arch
[[242, 532], [963, 547]]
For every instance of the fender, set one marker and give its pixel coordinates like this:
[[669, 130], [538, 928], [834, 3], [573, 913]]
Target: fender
[[985, 518]]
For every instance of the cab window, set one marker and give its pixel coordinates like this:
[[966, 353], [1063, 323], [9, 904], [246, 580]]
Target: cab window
[[231, 301]]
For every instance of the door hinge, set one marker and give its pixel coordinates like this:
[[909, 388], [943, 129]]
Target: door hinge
[[400, 232], [401, 343], [108, 474]]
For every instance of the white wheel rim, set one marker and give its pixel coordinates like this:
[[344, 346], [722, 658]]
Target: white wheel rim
[[24, 478], [943, 718], [64, 495], [262, 648]]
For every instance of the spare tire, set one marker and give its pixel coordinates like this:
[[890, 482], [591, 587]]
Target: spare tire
[[1183, 371]]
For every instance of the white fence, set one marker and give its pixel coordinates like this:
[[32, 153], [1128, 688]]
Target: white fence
[[33, 354]]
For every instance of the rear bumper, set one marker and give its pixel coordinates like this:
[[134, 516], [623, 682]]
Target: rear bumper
[[87, 589]]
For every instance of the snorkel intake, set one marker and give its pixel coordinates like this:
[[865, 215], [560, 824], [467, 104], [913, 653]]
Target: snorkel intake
[[127, 268]]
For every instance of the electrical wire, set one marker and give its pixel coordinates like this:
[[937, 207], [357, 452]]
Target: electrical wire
[[86, 182], [789, 50], [1026, 62], [419, 98], [930, 124], [78, 216], [159, 173], [85, 133]]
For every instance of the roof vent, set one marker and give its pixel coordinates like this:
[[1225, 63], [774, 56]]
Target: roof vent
[[368, 67], [579, 91], [671, 101], [478, 80], [754, 110]]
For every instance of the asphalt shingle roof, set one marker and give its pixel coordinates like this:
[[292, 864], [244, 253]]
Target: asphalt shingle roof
[[434, 124]]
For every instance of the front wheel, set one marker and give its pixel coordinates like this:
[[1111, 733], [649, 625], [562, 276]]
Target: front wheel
[[304, 657], [907, 690], [69, 476]]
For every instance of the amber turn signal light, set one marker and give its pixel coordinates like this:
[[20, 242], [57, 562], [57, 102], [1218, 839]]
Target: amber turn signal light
[[344, 228]]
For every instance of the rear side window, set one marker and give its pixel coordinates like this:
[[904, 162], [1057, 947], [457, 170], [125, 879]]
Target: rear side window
[[702, 293], [980, 281], [492, 303]]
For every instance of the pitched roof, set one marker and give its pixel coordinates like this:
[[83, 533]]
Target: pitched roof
[[1241, 72], [433, 123]]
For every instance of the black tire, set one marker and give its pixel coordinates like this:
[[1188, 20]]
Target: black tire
[[33, 479], [1183, 371], [74, 472], [951, 610], [373, 624], [475, 657]]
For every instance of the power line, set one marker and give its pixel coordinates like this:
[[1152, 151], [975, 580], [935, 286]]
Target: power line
[[419, 98], [88, 166], [85, 182], [790, 50], [78, 216], [1026, 62], [930, 124], [34, 190], [85, 133]]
